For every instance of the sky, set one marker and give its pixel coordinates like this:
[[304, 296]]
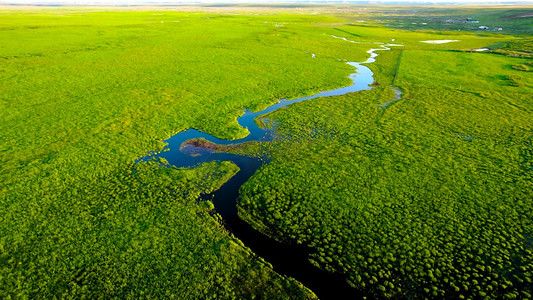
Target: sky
[[113, 2]]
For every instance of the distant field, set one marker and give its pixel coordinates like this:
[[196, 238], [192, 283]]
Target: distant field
[[431, 196], [512, 20]]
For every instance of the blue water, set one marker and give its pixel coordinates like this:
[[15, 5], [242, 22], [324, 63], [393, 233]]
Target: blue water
[[288, 259], [362, 79]]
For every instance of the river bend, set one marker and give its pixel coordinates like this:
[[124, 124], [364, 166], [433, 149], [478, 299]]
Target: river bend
[[291, 260]]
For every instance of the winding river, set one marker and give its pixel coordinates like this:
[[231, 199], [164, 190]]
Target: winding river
[[288, 259]]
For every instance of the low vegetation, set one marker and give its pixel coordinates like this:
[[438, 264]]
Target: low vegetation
[[429, 197], [84, 94]]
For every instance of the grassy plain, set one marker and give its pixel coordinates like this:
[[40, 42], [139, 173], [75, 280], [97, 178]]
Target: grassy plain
[[429, 197], [86, 93]]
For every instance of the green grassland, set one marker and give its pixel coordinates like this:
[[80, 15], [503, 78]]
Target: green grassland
[[431, 196], [84, 94]]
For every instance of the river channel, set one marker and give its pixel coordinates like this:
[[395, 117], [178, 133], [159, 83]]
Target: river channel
[[287, 259]]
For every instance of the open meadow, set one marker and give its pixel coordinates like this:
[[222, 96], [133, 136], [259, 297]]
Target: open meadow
[[424, 194]]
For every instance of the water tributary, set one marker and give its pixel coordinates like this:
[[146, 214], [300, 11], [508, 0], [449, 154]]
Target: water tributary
[[288, 259]]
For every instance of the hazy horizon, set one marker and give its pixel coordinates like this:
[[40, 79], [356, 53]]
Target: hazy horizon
[[155, 2]]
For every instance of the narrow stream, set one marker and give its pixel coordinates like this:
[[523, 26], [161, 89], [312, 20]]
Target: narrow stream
[[288, 259]]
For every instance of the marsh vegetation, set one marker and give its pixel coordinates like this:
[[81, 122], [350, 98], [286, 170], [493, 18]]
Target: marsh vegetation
[[431, 196]]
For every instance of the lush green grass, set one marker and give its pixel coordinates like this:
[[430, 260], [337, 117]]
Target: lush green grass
[[84, 94], [430, 193], [130, 236], [431, 197]]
